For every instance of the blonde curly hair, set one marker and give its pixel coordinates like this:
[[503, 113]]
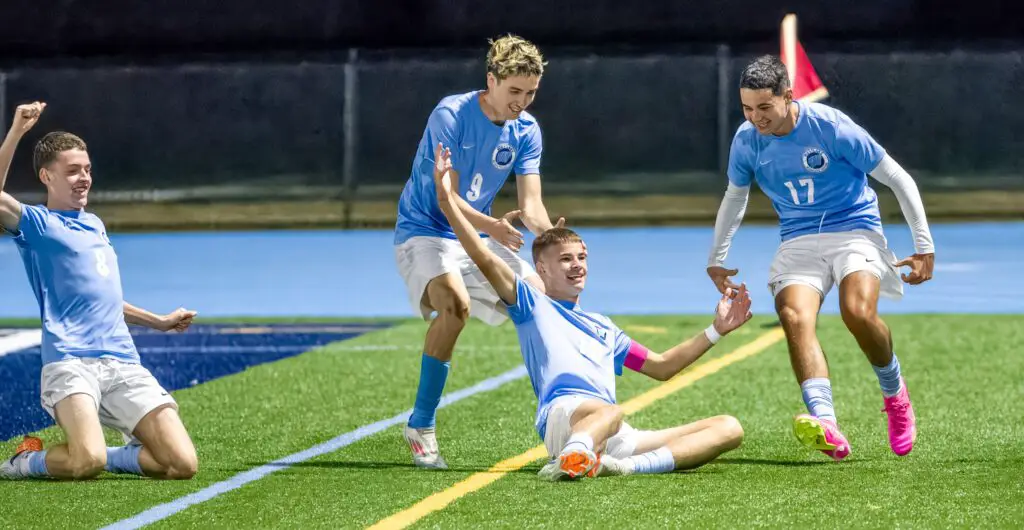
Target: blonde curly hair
[[512, 55]]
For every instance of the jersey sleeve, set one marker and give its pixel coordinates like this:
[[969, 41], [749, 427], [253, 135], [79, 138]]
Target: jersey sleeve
[[443, 127], [32, 225], [533, 145], [741, 160], [628, 352], [856, 146], [526, 301]]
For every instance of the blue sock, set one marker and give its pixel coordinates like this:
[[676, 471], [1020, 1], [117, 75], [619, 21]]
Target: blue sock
[[889, 377], [37, 464], [124, 459], [433, 374], [817, 393]]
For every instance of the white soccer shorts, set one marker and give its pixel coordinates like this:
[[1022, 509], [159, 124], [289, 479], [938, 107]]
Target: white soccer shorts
[[123, 392], [823, 260], [423, 258], [559, 430]]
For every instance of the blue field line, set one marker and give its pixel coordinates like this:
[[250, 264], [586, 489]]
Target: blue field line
[[163, 511]]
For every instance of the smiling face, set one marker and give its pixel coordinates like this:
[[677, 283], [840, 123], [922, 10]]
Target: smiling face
[[509, 97], [514, 69], [769, 113], [560, 256], [766, 95], [62, 163]]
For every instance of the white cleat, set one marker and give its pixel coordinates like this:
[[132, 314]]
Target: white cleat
[[423, 444], [15, 467]]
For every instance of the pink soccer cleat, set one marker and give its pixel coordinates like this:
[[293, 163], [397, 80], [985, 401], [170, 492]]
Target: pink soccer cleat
[[902, 422], [821, 434]]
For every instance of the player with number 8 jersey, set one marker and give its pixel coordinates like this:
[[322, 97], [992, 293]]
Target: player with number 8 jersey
[[490, 135], [92, 375]]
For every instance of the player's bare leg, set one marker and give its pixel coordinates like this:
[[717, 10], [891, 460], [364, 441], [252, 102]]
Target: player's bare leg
[[797, 306], [593, 423], [82, 457], [684, 447], [447, 295], [858, 304], [167, 451]]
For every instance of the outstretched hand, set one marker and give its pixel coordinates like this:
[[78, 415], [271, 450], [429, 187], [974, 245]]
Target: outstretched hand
[[721, 277], [733, 310]]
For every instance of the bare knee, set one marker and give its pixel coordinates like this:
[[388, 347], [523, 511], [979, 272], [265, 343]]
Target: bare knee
[[183, 465], [452, 306], [731, 431], [183, 468], [794, 319], [87, 462], [616, 415], [857, 312]]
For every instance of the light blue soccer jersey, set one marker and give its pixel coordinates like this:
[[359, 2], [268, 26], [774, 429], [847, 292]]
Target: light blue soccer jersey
[[567, 350], [483, 154], [74, 274], [816, 176]]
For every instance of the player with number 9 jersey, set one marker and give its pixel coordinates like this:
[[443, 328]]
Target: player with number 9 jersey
[[490, 136]]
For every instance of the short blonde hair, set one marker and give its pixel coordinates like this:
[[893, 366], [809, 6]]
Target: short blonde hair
[[553, 236], [512, 55]]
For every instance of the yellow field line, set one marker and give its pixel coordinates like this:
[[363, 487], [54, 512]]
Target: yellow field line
[[478, 481]]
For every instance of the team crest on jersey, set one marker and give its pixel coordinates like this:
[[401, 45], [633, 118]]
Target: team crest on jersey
[[815, 160], [503, 156]]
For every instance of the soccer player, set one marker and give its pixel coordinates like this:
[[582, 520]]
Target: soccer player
[[492, 135], [91, 374], [812, 161], [573, 356]]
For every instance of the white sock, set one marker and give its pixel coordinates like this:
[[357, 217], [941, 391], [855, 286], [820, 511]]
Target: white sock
[[578, 442], [657, 461]]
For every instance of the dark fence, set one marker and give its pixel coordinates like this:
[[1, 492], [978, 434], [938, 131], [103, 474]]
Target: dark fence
[[632, 122]]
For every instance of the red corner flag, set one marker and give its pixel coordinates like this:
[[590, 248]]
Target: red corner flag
[[806, 84]]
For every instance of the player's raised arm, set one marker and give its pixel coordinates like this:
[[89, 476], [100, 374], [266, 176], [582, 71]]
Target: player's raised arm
[[498, 273], [25, 116], [179, 320], [732, 312]]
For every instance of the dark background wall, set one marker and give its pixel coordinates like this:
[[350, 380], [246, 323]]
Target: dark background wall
[[48, 28], [190, 93]]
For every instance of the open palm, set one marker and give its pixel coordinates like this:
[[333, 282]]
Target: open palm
[[733, 309]]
